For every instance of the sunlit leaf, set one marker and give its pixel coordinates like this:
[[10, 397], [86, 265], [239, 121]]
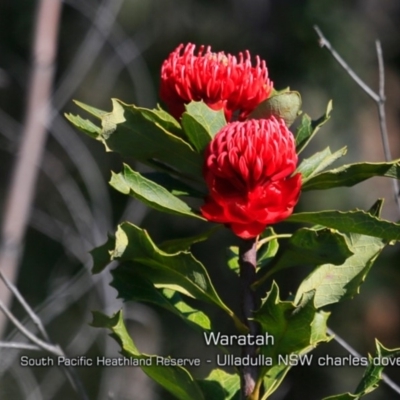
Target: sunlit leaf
[[201, 123], [350, 175], [220, 385], [308, 128], [318, 162], [150, 193], [356, 221], [175, 379]]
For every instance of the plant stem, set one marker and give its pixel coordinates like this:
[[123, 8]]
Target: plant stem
[[247, 263]]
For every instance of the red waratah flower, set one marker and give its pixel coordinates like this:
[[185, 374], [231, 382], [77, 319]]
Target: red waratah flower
[[247, 170], [221, 80]]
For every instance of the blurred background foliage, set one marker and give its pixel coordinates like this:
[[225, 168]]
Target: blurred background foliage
[[100, 57]]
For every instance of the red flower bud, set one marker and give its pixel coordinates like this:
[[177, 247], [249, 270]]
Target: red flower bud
[[247, 170], [221, 81]]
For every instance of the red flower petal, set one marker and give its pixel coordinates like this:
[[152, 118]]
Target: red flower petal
[[221, 81], [247, 170]]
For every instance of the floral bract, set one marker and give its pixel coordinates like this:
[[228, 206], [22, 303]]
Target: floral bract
[[247, 170], [221, 80]]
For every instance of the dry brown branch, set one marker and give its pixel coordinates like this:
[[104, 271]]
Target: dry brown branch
[[19, 199]]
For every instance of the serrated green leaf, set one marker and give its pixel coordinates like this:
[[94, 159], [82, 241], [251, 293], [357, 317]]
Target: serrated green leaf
[[142, 134], [178, 271], [373, 373], [273, 378], [308, 128], [164, 119], [318, 162], [285, 105], [91, 110], [267, 251], [333, 283], [84, 125], [174, 186], [356, 221], [175, 379], [201, 124], [291, 324], [220, 385], [190, 314], [131, 285], [296, 329], [314, 246], [351, 174], [101, 255], [149, 192], [175, 245]]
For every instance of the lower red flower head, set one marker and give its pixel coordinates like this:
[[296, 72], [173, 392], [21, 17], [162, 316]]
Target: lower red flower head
[[247, 170], [220, 80]]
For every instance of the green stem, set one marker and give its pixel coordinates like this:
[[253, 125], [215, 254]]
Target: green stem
[[248, 263], [270, 238]]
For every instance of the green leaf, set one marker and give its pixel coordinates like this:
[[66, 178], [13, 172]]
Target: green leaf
[[150, 193], [132, 286], [175, 245], [333, 283], [267, 251], [175, 379], [356, 221], [318, 162], [175, 186], [285, 105], [164, 119], [101, 255], [190, 314], [178, 271], [91, 110], [373, 373], [314, 246], [344, 396], [351, 174], [84, 125], [233, 258], [201, 124], [308, 128], [138, 133], [220, 385], [296, 329], [152, 137]]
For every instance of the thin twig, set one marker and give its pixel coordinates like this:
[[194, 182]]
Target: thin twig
[[19, 346], [323, 42], [379, 98], [354, 353], [36, 320], [382, 118], [52, 349], [56, 350], [40, 344]]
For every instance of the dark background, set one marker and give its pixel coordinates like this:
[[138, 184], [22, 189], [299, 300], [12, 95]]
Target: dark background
[[74, 208]]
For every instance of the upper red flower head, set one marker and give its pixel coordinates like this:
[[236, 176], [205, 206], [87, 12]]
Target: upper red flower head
[[247, 170], [221, 80]]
